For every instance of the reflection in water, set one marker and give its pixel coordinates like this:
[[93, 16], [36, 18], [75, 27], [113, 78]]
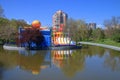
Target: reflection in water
[[70, 62], [33, 61], [1, 70], [91, 51], [112, 60], [59, 56]]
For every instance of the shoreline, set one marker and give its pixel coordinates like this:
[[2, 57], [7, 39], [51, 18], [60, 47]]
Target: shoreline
[[10, 47], [101, 45]]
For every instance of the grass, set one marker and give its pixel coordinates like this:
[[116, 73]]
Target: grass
[[108, 42]]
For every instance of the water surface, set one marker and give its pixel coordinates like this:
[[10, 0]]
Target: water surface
[[88, 63]]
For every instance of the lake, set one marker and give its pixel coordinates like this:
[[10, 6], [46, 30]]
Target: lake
[[88, 63]]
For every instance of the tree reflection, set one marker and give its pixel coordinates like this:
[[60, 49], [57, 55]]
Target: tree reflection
[[68, 61], [93, 51], [76, 63], [32, 62], [1, 70], [9, 58], [71, 62], [27, 60], [112, 60]]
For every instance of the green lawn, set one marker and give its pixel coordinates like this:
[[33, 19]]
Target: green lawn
[[108, 42]]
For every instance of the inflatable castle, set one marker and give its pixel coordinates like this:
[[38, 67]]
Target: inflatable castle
[[52, 40]]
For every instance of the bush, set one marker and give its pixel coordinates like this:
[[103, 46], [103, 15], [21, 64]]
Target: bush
[[116, 38], [116, 35]]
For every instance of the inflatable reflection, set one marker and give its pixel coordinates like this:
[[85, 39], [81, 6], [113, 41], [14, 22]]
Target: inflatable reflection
[[68, 61], [58, 56]]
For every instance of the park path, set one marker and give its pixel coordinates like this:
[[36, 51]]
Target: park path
[[101, 45]]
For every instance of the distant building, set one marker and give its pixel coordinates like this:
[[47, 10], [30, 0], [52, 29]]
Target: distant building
[[91, 25], [59, 20]]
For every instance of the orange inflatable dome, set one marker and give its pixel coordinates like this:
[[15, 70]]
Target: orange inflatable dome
[[36, 24]]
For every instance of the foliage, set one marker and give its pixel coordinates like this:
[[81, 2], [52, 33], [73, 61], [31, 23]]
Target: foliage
[[31, 35], [98, 34], [6, 32], [77, 30], [83, 31], [116, 35], [9, 28], [80, 32], [113, 29]]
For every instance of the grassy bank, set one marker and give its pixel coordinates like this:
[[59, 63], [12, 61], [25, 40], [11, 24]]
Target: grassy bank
[[108, 42]]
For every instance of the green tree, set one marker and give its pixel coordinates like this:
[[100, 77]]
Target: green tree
[[116, 35], [71, 29], [9, 28], [4, 29], [98, 34], [83, 31], [77, 30], [17, 23]]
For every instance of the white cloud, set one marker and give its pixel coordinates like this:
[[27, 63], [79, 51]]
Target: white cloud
[[100, 26]]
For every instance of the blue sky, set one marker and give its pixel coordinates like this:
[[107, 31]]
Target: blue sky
[[88, 10]]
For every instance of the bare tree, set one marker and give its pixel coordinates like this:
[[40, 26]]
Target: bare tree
[[113, 28], [1, 12]]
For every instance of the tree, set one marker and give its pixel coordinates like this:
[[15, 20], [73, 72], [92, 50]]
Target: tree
[[21, 22], [83, 31], [31, 35], [114, 22], [5, 30], [116, 35], [17, 23], [77, 30], [98, 34], [9, 28], [113, 29]]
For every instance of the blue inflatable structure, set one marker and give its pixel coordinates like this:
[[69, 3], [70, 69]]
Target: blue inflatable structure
[[45, 44]]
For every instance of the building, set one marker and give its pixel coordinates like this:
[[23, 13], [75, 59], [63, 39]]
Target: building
[[59, 20], [91, 25]]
